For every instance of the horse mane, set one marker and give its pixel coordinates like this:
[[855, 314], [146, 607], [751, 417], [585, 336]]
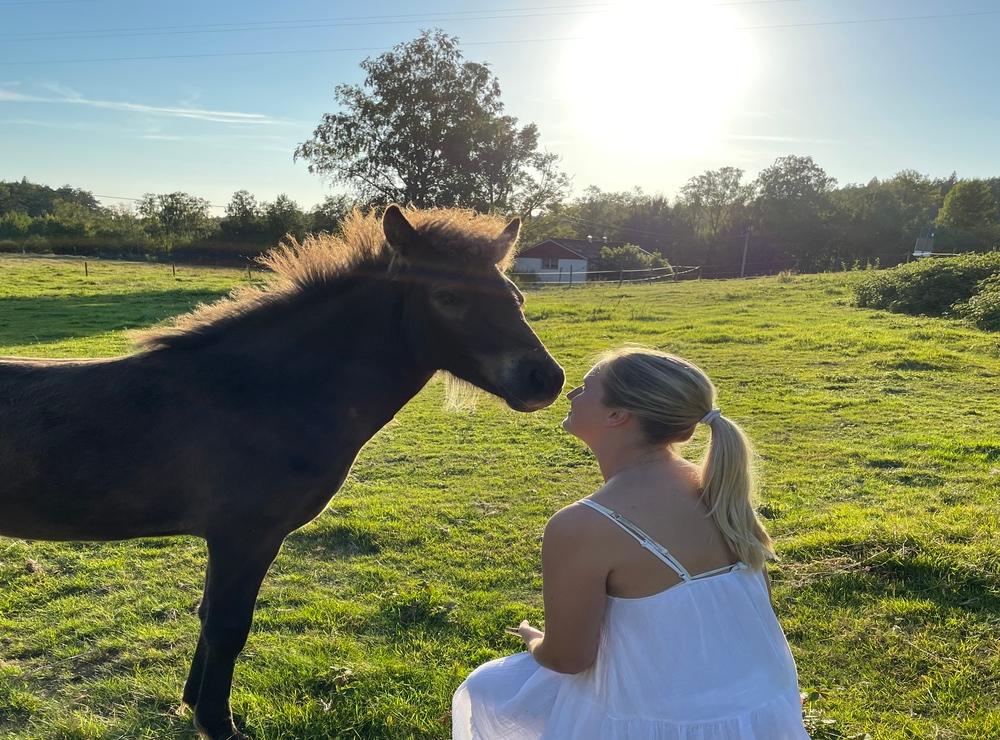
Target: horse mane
[[453, 236]]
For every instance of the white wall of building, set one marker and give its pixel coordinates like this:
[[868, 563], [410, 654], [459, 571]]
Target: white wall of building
[[567, 270]]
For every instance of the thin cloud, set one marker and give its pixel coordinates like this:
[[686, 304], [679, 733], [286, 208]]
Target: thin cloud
[[251, 142], [65, 125], [66, 96]]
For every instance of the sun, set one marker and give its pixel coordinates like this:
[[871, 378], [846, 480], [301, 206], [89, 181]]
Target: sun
[[658, 74]]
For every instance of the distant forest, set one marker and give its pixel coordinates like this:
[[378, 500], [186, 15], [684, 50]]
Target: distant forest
[[796, 214]]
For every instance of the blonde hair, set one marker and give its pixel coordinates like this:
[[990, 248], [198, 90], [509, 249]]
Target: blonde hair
[[669, 396]]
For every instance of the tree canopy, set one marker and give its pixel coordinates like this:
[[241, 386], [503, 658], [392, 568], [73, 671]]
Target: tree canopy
[[428, 127]]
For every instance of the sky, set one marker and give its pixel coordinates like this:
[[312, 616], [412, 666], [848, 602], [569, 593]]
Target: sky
[[127, 97]]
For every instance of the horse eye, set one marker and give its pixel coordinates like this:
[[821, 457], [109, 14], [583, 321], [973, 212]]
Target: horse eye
[[447, 298]]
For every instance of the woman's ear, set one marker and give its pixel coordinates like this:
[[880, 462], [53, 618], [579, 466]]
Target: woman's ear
[[617, 417]]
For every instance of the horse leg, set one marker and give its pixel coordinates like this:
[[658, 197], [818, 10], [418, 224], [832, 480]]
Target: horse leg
[[193, 684], [235, 574]]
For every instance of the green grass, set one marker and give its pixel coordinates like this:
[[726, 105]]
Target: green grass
[[880, 453]]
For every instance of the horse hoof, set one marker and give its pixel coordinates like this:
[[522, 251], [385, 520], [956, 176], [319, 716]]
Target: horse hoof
[[225, 733]]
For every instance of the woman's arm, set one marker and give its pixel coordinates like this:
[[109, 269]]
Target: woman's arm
[[574, 584]]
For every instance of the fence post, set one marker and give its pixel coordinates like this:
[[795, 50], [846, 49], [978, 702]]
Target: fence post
[[86, 270], [173, 269], [621, 276], [571, 275]]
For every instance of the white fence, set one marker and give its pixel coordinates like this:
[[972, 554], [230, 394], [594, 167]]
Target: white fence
[[647, 275]]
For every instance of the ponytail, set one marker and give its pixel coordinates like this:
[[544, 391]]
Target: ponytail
[[729, 492]]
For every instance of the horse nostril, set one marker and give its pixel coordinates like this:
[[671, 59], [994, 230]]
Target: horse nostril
[[541, 381], [535, 380]]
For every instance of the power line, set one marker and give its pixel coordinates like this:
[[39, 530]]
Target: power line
[[494, 42], [44, 2], [343, 21], [609, 227], [293, 24], [309, 26], [139, 200], [858, 21]]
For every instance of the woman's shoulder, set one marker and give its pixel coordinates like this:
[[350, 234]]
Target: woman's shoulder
[[578, 533], [576, 521]]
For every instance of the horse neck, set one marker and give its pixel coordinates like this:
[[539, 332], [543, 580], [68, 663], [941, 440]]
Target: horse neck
[[344, 346]]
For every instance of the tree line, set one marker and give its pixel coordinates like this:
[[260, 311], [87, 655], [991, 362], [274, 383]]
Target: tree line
[[791, 216], [428, 127], [38, 218], [795, 216]]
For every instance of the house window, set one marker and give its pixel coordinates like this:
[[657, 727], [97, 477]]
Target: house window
[[550, 263]]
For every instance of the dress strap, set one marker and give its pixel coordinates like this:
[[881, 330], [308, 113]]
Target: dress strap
[[641, 537]]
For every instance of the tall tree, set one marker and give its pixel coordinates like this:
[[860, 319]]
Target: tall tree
[[282, 217], [176, 217], [243, 217], [970, 206], [968, 219], [792, 206], [327, 215], [716, 201], [428, 127]]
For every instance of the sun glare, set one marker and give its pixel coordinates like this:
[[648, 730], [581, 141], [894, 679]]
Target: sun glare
[[658, 75]]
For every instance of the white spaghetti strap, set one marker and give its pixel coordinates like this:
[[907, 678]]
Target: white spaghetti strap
[[739, 565], [641, 537]]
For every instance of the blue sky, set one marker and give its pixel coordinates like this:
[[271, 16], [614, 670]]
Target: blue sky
[[630, 93]]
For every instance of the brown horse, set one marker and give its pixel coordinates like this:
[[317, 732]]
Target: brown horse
[[240, 422]]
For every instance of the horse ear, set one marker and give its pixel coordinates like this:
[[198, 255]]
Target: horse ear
[[400, 235], [507, 238]]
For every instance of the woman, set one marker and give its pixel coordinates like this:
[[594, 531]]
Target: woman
[[657, 604]]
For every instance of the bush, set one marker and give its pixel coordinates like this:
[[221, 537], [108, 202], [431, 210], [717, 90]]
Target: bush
[[931, 286], [627, 257], [983, 309]]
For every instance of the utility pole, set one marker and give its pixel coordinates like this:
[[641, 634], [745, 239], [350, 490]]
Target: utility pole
[[746, 246]]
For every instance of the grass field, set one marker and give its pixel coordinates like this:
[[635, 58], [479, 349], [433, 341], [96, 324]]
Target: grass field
[[880, 454]]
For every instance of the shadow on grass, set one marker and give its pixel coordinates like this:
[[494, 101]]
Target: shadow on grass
[[40, 319], [334, 541], [860, 572]]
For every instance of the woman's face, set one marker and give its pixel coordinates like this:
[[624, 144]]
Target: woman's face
[[587, 413]]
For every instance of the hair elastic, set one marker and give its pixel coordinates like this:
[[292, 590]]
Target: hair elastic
[[710, 417]]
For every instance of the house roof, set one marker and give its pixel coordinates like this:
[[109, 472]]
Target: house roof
[[586, 248]]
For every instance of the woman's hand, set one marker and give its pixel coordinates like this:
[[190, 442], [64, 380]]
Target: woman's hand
[[528, 633]]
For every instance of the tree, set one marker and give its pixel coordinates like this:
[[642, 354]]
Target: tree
[[792, 208], [243, 217], [327, 215], [716, 201], [176, 217], [971, 209], [880, 221], [283, 217], [38, 200], [626, 257], [715, 206], [427, 127]]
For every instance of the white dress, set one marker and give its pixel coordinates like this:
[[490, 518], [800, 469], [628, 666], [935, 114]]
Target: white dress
[[703, 660]]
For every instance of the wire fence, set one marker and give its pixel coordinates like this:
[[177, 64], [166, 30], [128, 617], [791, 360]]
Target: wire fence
[[573, 277]]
